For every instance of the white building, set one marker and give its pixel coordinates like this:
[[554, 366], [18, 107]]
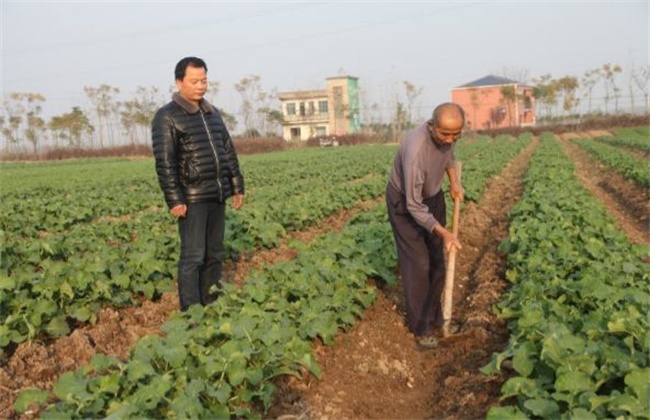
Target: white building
[[313, 113]]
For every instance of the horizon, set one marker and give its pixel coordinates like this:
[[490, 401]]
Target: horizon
[[295, 46]]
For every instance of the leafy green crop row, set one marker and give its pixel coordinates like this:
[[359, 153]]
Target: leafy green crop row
[[29, 210], [215, 362], [51, 280], [635, 138], [67, 276], [635, 143], [627, 164], [220, 361], [486, 159], [578, 306]]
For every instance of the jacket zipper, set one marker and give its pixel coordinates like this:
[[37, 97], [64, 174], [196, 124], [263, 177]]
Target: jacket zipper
[[214, 152]]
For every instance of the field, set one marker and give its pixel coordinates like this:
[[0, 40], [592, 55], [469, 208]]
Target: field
[[551, 291]]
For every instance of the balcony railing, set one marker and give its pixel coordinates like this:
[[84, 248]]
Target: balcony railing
[[306, 118]]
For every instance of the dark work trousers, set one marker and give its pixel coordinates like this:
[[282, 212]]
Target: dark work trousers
[[199, 268], [421, 260]]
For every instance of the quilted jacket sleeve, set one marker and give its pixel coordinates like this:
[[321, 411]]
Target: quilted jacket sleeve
[[164, 137], [236, 177]]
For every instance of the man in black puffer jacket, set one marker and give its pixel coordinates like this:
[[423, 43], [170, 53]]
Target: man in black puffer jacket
[[198, 171]]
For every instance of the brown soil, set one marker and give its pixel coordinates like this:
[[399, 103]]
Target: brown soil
[[626, 202], [375, 370], [39, 364]]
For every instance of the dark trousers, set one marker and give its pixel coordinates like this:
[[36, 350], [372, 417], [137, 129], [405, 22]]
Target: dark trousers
[[202, 233], [421, 260]]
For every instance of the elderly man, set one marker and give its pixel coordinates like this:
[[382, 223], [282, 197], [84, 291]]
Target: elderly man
[[416, 209]]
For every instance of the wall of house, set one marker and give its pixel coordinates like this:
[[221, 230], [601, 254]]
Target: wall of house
[[343, 94], [307, 120], [485, 107]]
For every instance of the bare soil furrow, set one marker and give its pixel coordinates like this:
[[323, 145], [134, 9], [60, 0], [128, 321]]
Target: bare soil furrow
[[628, 203]]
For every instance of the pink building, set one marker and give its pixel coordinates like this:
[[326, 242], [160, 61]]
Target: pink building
[[495, 102]]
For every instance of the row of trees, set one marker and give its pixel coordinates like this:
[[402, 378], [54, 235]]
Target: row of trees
[[107, 121], [569, 92]]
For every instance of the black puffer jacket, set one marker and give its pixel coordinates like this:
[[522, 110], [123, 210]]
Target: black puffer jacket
[[195, 158]]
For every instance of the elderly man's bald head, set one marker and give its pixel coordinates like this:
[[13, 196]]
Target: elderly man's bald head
[[447, 111]]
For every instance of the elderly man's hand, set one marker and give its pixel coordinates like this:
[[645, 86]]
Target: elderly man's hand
[[457, 191], [448, 238]]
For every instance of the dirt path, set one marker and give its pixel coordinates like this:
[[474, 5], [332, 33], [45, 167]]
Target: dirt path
[[628, 203], [39, 364], [375, 370]]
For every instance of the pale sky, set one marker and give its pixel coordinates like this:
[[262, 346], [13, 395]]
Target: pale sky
[[56, 48]]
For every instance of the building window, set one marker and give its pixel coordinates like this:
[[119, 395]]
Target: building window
[[321, 131], [295, 133], [322, 107], [302, 109], [528, 102], [291, 108]]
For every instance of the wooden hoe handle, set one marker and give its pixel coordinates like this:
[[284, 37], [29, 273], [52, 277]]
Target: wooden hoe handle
[[447, 297]]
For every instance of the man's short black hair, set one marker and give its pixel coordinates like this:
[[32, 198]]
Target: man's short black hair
[[182, 65]]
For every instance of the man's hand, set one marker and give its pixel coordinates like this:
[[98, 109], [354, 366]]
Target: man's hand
[[179, 210], [237, 201], [457, 191], [448, 238]]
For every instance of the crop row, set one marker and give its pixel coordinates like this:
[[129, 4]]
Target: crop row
[[487, 159], [48, 282], [30, 210], [578, 306], [51, 281], [637, 138], [221, 360], [630, 166]]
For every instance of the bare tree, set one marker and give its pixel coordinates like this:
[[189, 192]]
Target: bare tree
[[588, 82], [229, 120], [609, 72], [105, 108], [274, 118], [249, 89], [399, 121], [640, 79], [34, 130], [71, 126], [545, 92], [22, 112], [136, 115], [265, 100], [13, 112], [213, 91], [568, 86], [412, 92]]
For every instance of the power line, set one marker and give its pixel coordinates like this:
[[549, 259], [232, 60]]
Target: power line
[[86, 42], [143, 64]]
